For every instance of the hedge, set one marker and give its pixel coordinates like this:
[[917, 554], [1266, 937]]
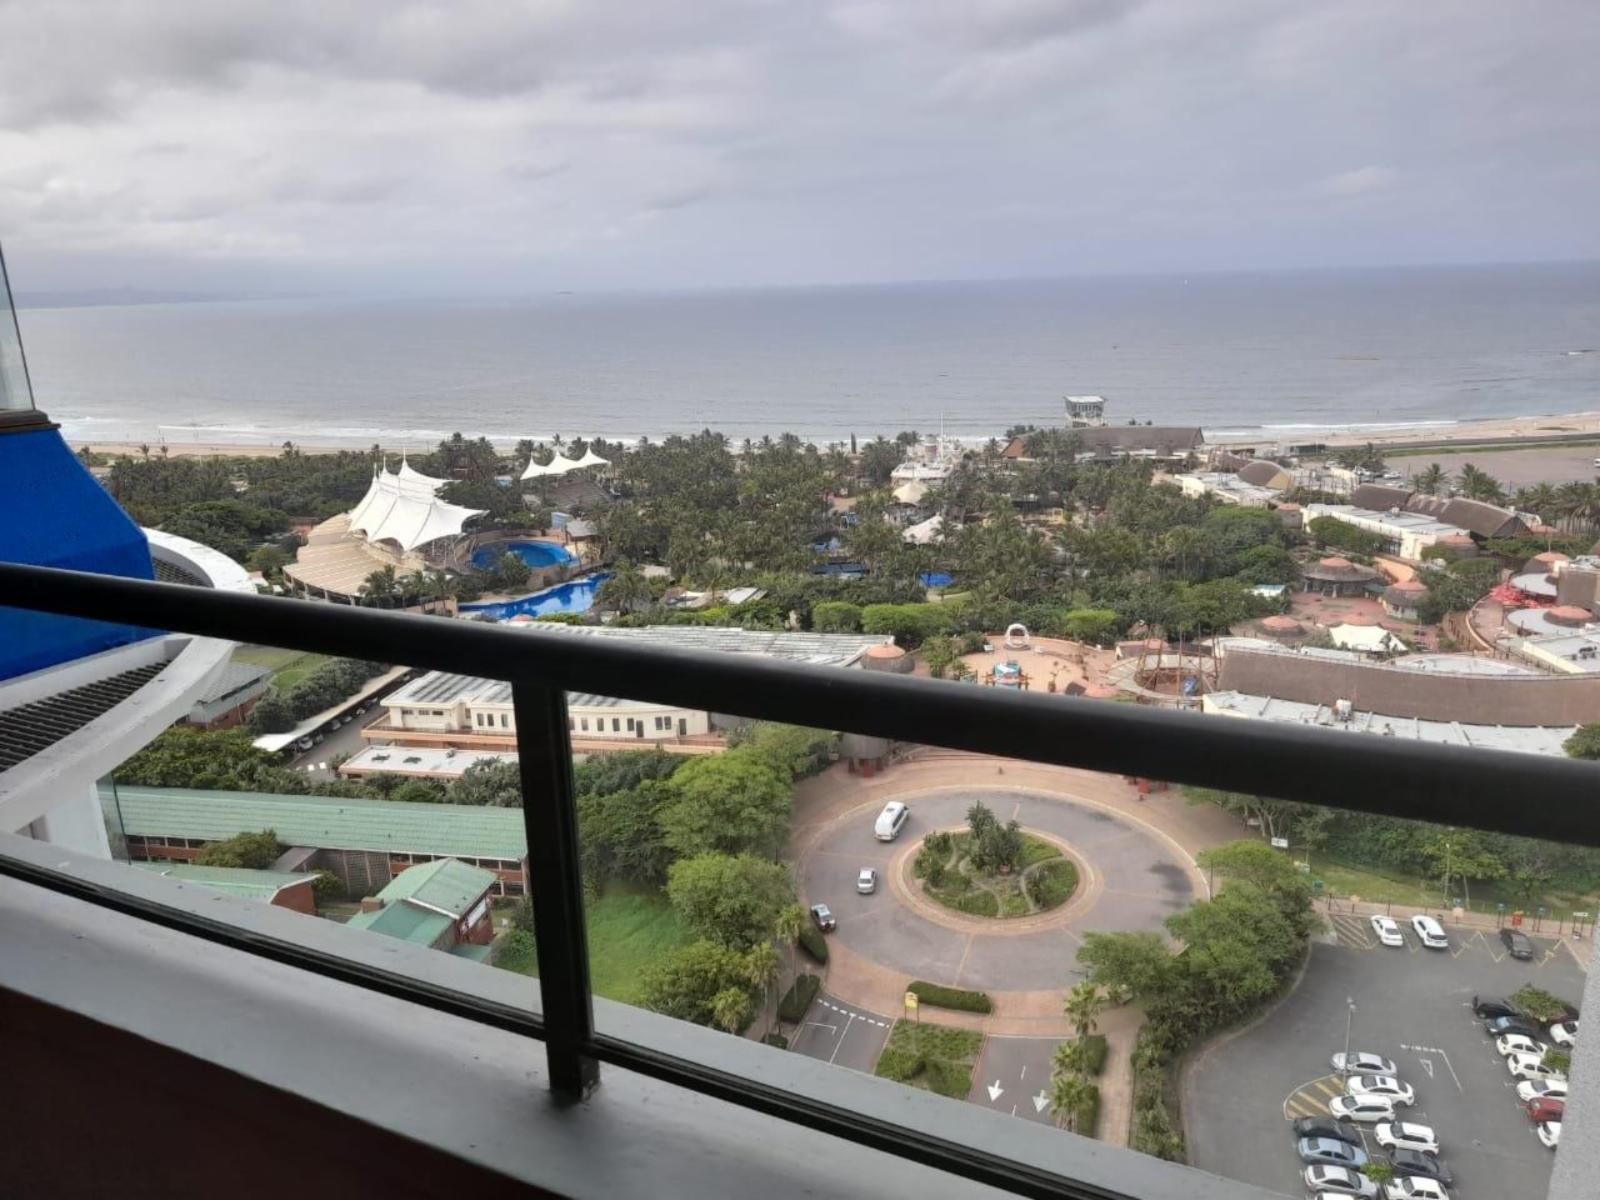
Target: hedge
[[813, 943], [798, 998], [948, 997], [1094, 1053], [775, 1039], [1088, 1115]]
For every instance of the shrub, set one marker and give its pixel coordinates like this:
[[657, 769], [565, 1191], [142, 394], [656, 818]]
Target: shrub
[[947, 1078], [948, 997], [775, 1039], [1051, 884], [836, 616], [798, 998], [976, 903], [325, 886], [515, 950], [910, 624], [813, 943], [1088, 1114], [1093, 1055], [1539, 1004]]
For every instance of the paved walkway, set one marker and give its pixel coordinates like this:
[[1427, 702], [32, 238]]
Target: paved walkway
[[859, 981]]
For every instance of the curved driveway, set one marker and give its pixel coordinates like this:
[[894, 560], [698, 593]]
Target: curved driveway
[[1134, 881]]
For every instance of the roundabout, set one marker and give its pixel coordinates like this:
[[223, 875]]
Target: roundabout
[[1129, 878]]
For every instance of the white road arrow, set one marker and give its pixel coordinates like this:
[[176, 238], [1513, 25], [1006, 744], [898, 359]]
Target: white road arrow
[[995, 1091], [1427, 1065], [1040, 1101]]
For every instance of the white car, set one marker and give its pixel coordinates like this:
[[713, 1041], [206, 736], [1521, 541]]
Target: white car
[[1516, 1043], [1565, 1033], [1414, 1187], [1429, 932], [891, 820], [1388, 931], [1550, 1133], [1531, 1066], [1364, 1062], [1341, 1181], [1403, 1135], [1380, 1085], [1536, 1089], [1362, 1108], [867, 881]]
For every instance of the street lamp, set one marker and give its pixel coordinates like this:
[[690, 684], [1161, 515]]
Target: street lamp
[[1349, 1019]]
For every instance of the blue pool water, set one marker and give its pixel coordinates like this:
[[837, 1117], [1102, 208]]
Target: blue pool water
[[574, 597], [936, 579], [535, 554]]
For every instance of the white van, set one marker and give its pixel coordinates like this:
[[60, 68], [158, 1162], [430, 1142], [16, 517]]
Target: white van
[[1429, 932], [891, 820]]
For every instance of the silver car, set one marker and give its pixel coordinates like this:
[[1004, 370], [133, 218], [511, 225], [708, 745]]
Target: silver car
[[867, 881]]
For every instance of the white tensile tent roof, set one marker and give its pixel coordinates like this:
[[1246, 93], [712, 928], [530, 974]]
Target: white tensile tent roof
[[911, 493], [560, 465], [403, 507], [1370, 639], [591, 459], [924, 532]]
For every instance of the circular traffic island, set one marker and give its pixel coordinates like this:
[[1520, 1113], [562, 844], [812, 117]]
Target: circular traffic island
[[1000, 872]]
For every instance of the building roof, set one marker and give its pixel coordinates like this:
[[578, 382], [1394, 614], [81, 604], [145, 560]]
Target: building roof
[[1340, 570], [408, 922], [425, 762], [911, 492], [819, 649], [1164, 441], [445, 885], [1402, 521], [1379, 497], [1227, 484], [1265, 473], [924, 532], [1526, 739], [328, 822], [1475, 516], [236, 881], [404, 508], [236, 677], [1369, 639]]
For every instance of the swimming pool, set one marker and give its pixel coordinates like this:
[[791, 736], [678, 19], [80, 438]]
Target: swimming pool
[[574, 597], [535, 554], [936, 579]]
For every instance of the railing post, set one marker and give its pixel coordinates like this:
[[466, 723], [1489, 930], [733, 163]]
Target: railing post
[[550, 814]]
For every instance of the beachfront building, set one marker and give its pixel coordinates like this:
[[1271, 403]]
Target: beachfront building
[[401, 523], [364, 843], [1477, 518], [1085, 412], [1157, 443], [1226, 487], [79, 697], [443, 905], [1405, 534]]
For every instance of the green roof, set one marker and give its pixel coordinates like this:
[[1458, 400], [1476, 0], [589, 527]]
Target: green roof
[[445, 886], [326, 822], [238, 881], [407, 922], [423, 901]]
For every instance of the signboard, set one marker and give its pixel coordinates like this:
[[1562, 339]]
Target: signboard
[[911, 1001], [1280, 843]]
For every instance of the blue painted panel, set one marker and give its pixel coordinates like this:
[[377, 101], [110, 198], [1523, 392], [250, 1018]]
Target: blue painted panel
[[54, 514]]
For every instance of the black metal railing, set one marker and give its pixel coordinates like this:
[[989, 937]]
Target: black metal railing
[[1524, 794]]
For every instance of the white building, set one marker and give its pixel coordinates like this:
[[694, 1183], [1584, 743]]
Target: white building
[[1405, 534], [1225, 486], [1085, 411]]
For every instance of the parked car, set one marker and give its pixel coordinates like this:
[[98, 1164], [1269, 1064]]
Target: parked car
[[1380, 1085], [304, 744], [1516, 1043], [1331, 1151], [891, 820], [1550, 1133], [867, 881], [1489, 1009], [1362, 1108], [1364, 1062], [1403, 1135], [1326, 1127], [1414, 1187], [1388, 931], [1531, 1066], [1517, 943], [1545, 1108], [1564, 1033], [822, 917], [1340, 1181], [1414, 1162], [1525, 1026], [1535, 1089], [1429, 932]]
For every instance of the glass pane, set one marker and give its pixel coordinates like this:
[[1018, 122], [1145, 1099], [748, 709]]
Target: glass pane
[[14, 391]]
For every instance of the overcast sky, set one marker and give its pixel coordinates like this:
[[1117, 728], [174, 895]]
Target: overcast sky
[[485, 145]]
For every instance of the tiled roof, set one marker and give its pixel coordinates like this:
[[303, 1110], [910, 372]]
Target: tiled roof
[[326, 822]]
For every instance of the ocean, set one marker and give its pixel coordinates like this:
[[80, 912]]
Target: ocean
[[1271, 351]]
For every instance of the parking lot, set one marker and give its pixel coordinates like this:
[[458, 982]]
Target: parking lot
[[843, 1034], [1413, 1006]]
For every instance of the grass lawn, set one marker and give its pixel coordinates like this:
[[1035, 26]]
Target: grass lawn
[[937, 1058], [627, 931], [288, 667], [1380, 885]]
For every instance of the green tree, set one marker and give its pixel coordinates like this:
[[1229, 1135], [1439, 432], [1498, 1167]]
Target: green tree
[[1136, 965], [272, 714], [1476, 484], [1083, 1006], [627, 590], [1584, 742], [620, 834], [488, 783], [226, 760], [257, 851], [1268, 870], [734, 900], [836, 616], [418, 791], [687, 983], [1463, 854], [729, 803], [1069, 1093], [730, 1009], [380, 586], [878, 459]]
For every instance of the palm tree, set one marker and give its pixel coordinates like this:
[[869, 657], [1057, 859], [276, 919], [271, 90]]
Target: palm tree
[[761, 969], [627, 589], [730, 1009], [414, 585], [1069, 1092], [1430, 481], [1541, 498], [1475, 484], [144, 450], [1083, 1004], [379, 587], [786, 929]]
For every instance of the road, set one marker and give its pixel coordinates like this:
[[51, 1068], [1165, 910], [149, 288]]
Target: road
[[1013, 1076], [342, 742], [842, 1034]]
